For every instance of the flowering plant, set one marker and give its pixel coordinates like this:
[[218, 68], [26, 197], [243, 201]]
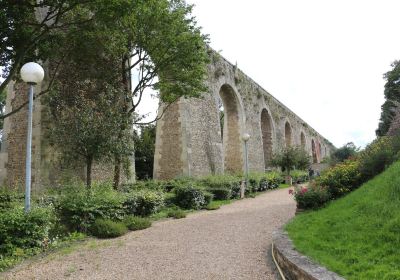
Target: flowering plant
[[310, 197]]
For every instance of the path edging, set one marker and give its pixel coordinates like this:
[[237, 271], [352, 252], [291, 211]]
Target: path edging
[[295, 265]]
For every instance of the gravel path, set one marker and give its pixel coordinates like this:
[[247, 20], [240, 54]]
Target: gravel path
[[229, 243]]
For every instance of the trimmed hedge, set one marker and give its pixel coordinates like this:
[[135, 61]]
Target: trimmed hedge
[[78, 208], [105, 228], [144, 202], [192, 197], [137, 223]]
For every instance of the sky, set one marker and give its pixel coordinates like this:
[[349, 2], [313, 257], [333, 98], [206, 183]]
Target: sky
[[323, 59]]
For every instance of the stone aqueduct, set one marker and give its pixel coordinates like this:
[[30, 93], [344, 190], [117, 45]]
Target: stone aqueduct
[[190, 139]]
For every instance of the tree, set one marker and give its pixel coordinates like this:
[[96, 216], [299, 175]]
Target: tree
[[346, 152], [144, 152], [157, 39], [30, 31], [392, 96], [291, 158]]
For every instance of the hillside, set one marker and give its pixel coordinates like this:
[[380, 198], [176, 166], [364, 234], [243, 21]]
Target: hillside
[[357, 236]]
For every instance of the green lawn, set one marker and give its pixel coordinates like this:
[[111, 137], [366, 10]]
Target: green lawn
[[357, 236]]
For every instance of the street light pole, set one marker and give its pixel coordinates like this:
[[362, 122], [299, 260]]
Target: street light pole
[[32, 73], [28, 169], [245, 138]]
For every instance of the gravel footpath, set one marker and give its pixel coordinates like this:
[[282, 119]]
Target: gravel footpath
[[233, 242]]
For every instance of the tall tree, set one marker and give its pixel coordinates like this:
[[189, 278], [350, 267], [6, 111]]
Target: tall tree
[[392, 99], [156, 39], [29, 31]]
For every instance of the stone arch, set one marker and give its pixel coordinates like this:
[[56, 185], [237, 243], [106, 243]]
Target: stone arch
[[266, 134], [302, 140], [314, 151], [288, 134], [320, 150], [231, 130]]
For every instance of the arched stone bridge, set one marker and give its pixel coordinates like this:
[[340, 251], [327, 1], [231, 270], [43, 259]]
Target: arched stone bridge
[[197, 137]]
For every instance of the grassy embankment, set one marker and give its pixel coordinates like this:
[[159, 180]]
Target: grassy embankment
[[357, 236]]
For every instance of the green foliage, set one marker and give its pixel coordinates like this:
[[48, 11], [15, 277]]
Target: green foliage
[[212, 207], [219, 182], [176, 213], [137, 223], [291, 158], [312, 197], [378, 155], [9, 198], [104, 228], [143, 202], [25, 231], [191, 197], [221, 193], [144, 152], [392, 96], [299, 176], [78, 208], [341, 179], [356, 236], [346, 152]]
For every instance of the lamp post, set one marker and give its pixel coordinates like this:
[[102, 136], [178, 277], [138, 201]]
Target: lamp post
[[245, 138], [31, 73]]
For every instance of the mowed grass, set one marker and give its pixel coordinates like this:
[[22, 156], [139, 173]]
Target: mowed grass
[[357, 236]]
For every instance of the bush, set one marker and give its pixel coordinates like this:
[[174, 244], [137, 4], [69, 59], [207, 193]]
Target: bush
[[9, 198], [191, 197], [220, 193], [227, 182], [341, 179], [105, 228], [137, 223], [299, 176], [378, 155], [273, 178], [78, 208], [310, 198], [144, 202], [25, 231], [176, 213]]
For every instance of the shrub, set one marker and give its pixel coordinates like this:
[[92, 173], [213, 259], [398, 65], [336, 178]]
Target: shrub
[[273, 178], [220, 193], [176, 213], [191, 197], [228, 182], [212, 207], [144, 202], [299, 176], [310, 198], [105, 228], [78, 209], [9, 198], [137, 223], [341, 179], [25, 231], [378, 155]]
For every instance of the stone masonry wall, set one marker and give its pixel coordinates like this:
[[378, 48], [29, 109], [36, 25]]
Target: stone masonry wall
[[205, 151]]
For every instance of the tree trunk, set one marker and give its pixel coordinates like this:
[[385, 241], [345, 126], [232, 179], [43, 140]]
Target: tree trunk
[[89, 162], [127, 88], [117, 172]]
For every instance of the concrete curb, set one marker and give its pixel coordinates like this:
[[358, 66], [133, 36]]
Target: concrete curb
[[296, 266]]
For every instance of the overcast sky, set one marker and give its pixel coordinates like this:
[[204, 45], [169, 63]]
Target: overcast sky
[[324, 59]]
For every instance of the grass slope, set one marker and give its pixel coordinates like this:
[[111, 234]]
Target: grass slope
[[357, 236]]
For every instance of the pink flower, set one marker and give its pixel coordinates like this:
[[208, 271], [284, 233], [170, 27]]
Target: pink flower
[[304, 190], [290, 191]]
